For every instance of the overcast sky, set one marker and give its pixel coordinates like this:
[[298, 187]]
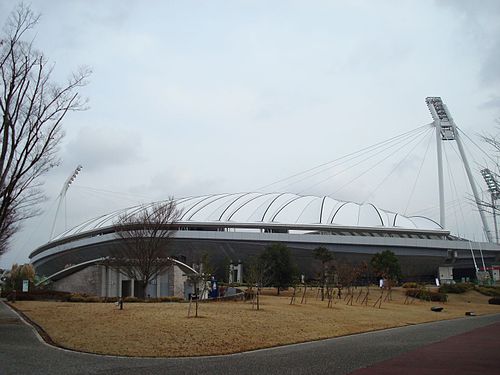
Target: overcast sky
[[198, 97]]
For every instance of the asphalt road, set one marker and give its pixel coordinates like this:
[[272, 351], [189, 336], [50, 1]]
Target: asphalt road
[[23, 352]]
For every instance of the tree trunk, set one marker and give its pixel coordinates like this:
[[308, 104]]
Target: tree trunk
[[323, 283]]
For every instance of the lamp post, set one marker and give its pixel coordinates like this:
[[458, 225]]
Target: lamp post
[[494, 190]]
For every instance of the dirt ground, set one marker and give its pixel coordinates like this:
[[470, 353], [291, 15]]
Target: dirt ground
[[163, 329]]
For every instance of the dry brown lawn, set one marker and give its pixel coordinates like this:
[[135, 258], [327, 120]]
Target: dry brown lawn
[[163, 329]]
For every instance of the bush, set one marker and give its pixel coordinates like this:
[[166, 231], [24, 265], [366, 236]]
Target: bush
[[494, 301], [132, 299], [76, 297], [457, 288], [491, 291], [171, 299], [427, 295], [410, 284], [37, 295], [92, 299]]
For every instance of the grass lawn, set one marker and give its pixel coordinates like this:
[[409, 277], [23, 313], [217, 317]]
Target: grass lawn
[[163, 329]]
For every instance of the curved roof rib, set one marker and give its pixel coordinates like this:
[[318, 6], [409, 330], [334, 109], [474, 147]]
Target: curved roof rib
[[266, 208], [378, 213]]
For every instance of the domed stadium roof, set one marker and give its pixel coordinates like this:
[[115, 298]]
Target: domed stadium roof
[[271, 208]]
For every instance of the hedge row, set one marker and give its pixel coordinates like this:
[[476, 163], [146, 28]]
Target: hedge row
[[410, 285], [36, 295], [87, 298], [52, 295], [491, 291], [457, 288], [161, 299], [427, 295]]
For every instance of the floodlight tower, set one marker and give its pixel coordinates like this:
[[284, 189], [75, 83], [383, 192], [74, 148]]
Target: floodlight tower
[[494, 190], [446, 130], [62, 196]]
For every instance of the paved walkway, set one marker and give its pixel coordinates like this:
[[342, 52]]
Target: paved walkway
[[474, 352], [21, 352]]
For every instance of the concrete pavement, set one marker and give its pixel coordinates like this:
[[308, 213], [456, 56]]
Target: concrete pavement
[[21, 352]]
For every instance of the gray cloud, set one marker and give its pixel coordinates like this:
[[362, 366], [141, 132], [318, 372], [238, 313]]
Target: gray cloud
[[190, 98], [101, 147], [492, 103], [480, 21], [490, 69]]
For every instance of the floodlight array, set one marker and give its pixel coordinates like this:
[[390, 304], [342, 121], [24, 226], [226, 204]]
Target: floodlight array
[[491, 182], [440, 113], [437, 104], [73, 176]]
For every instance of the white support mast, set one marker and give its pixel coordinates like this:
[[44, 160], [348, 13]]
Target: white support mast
[[62, 195], [446, 130], [439, 148], [494, 189]]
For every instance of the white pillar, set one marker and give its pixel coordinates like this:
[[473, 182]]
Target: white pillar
[[240, 273], [442, 219]]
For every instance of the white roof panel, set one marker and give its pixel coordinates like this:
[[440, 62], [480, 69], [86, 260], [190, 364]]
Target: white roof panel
[[284, 208]]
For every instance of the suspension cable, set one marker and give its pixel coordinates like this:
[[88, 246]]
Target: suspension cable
[[350, 155], [478, 147], [371, 167], [358, 162], [397, 165], [453, 189], [418, 174]]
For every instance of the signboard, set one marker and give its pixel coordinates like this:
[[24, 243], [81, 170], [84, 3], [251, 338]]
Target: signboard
[[26, 285]]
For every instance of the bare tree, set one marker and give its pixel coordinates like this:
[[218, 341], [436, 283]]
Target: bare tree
[[493, 140], [32, 109], [145, 235], [255, 278], [322, 254], [345, 275]]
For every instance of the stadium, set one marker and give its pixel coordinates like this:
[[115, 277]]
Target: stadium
[[233, 227]]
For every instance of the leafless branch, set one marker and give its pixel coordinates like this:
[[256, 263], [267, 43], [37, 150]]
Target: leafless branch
[[144, 238], [32, 109]]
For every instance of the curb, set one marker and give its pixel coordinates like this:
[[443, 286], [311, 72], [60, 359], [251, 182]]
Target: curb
[[41, 332]]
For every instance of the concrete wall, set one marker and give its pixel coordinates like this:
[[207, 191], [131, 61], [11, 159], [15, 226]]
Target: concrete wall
[[103, 281], [176, 281], [86, 281]]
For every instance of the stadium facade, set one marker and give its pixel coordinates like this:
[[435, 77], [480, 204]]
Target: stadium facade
[[234, 227]]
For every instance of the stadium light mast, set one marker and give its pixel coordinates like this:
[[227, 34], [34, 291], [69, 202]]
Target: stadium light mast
[[62, 195], [494, 190], [446, 130]]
